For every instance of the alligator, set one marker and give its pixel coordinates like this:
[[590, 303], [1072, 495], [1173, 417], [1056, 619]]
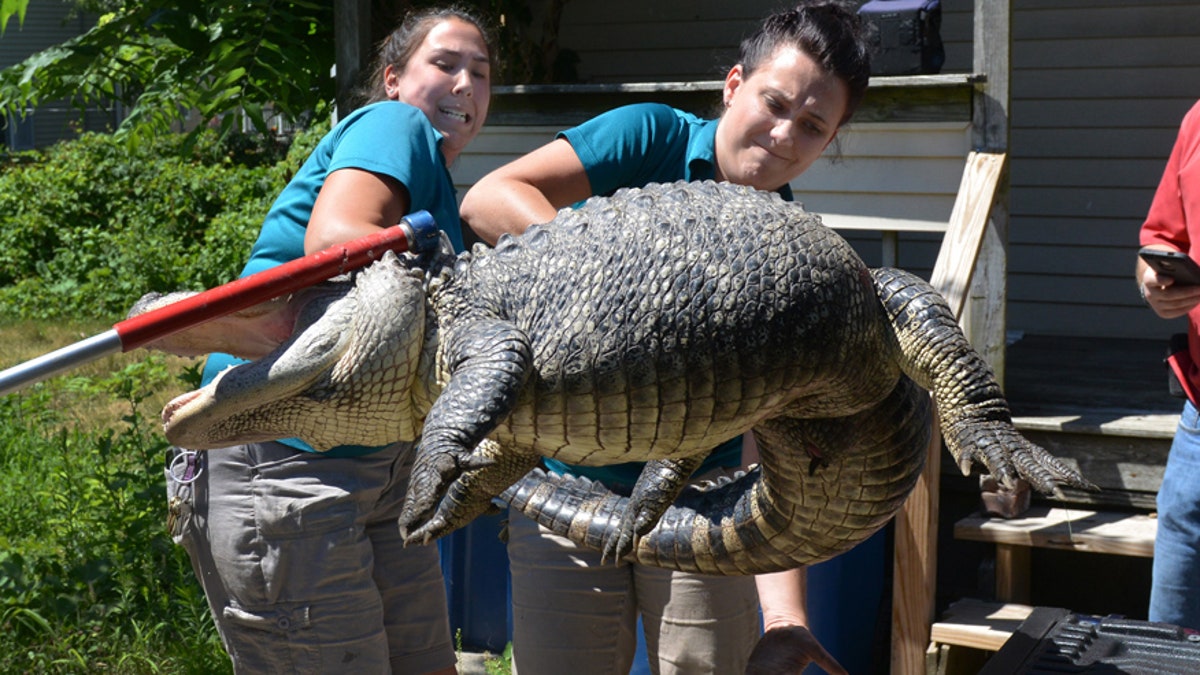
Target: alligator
[[652, 326]]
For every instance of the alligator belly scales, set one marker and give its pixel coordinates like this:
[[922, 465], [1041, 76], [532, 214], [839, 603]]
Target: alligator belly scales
[[651, 326]]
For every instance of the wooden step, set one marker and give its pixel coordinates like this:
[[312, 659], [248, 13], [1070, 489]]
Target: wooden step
[[1070, 529], [978, 624], [1101, 405], [1066, 529]]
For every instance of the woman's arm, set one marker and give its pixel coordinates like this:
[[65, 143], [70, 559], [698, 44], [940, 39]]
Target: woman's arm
[[782, 596], [354, 203], [526, 191]]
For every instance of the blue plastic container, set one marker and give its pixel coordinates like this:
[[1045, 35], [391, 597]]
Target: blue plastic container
[[478, 585]]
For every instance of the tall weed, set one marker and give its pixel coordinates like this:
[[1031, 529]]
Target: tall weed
[[90, 225], [89, 580]]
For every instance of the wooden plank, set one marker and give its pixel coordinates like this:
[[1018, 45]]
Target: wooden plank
[[1130, 534], [1138, 425], [964, 238], [914, 573], [912, 608], [886, 100], [1012, 573], [978, 624]]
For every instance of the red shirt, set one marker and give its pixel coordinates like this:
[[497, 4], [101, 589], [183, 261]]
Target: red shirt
[[1174, 217]]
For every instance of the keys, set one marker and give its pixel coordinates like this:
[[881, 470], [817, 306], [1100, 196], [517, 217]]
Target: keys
[[182, 472]]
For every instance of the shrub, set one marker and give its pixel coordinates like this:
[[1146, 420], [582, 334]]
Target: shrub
[[90, 225]]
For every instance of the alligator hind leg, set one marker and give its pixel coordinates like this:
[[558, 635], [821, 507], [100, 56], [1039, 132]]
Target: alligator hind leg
[[976, 420], [657, 486]]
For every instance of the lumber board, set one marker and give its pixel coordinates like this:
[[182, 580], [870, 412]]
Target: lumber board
[[978, 624], [915, 556], [1130, 534], [968, 222]]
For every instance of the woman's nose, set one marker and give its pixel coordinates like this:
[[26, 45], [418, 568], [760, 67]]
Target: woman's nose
[[462, 83]]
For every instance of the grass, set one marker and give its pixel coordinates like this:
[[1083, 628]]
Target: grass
[[89, 580], [25, 340]]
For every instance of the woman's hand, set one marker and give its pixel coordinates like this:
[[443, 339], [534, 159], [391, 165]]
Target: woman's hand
[[787, 650]]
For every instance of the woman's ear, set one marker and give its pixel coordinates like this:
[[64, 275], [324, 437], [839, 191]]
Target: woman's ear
[[391, 82], [733, 80]]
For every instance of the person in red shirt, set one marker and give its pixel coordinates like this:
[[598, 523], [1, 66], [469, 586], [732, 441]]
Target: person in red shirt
[[1173, 224]]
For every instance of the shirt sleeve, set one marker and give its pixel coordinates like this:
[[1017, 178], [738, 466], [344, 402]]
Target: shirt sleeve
[[1175, 210], [391, 139], [628, 146]]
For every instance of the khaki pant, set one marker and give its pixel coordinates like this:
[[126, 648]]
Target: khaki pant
[[302, 563], [572, 614]]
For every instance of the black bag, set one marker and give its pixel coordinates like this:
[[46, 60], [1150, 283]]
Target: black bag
[[906, 36]]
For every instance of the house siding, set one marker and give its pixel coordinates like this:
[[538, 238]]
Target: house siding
[[1098, 90], [46, 24]]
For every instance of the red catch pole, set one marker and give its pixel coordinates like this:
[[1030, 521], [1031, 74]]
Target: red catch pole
[[416, 232]]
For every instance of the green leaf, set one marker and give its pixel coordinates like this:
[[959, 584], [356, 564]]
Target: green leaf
[[10, 7]]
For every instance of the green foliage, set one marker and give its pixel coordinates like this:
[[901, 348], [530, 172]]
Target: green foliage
[[216, 63], [90, 225], [500, 665], [10, 7], [164, 61], [89, 579]]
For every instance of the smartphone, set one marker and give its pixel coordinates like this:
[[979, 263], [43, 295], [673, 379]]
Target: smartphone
[[1178, 266]]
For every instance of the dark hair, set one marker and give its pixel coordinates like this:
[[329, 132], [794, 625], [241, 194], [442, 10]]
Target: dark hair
[[398, 47], [830, 32]]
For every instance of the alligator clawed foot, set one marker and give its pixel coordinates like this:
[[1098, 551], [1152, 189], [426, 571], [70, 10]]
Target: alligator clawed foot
[[1010, 457], [635, 522], [423, 534], [434, 475], [619, 542]]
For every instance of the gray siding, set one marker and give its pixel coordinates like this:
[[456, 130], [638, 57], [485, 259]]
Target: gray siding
[[1099, 88], [47, 23]]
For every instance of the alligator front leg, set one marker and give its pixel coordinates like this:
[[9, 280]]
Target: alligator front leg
[[657, 486], [976, 420], [488, 361], [470, 494]]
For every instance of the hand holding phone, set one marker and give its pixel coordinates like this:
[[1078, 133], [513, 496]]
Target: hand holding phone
[[1178, 266]]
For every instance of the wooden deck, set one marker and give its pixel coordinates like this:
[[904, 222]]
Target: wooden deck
[[1091, 385]]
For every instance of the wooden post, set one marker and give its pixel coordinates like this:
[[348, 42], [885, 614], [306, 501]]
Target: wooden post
[[352, 44], [982, 314], [915, 557]]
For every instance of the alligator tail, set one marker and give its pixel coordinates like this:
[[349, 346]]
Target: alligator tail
[[792, 510], [691, 536]]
